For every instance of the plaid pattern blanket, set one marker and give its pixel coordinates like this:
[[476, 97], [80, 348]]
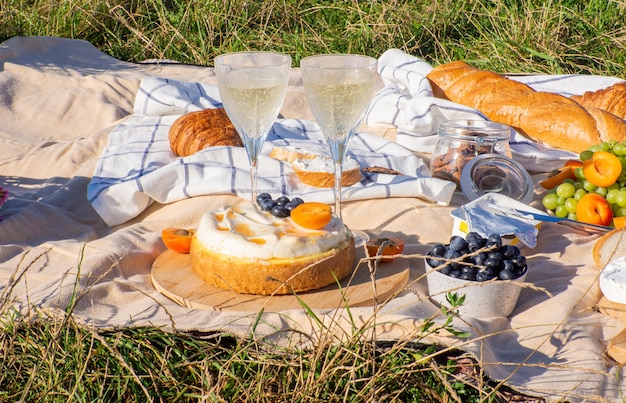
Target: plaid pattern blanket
[[137, 166]]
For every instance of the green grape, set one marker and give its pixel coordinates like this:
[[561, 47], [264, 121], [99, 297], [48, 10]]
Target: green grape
[[578, 185], [579, 174], [619, 149], [579, 194], [588, 186], [621, 198], [570, 205], [602, 191], [586, 155], [549, 201], [561, 212], [611, 195], [560, 200], [619, 211], [565, 190], [572, 216]]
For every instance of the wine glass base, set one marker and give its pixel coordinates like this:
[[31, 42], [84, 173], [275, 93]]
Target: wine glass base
[[360, 237]]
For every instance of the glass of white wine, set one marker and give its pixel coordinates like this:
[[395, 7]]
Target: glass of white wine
[[339, 89], [252, 86]]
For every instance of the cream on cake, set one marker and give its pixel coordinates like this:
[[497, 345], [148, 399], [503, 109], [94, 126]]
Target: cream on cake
[[247, 250]]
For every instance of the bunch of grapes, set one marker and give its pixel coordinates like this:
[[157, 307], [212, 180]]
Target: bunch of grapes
[[563, 198]]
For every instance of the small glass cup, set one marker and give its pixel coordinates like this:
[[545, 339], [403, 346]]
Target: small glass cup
[[460, 141]]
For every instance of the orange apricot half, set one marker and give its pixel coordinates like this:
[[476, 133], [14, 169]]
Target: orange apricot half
[[602, 169], [177, 239], [312, 215]]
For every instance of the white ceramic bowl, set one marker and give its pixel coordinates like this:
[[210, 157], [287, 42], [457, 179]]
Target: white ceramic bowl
[[496, 298]]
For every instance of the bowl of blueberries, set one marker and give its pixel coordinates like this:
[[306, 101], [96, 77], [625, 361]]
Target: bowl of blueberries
[[489, 273]]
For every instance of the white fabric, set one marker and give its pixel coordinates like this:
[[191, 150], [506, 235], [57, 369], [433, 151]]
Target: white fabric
[[407, 102], [138, 167]]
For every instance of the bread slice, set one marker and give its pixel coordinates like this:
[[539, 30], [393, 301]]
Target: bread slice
[[316, 169], [609, 246]]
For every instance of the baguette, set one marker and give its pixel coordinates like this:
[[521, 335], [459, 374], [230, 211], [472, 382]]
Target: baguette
[[611, 99], [315, 169], [195, 131], [544, 117]]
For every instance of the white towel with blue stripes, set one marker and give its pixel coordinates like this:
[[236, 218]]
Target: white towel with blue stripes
[[137, 167], [407, 102]]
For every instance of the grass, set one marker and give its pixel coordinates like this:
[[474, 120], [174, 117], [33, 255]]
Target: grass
[[57, 360]]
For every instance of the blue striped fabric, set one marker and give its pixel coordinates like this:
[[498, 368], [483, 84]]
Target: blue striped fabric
[[137, 166], [407, 102]]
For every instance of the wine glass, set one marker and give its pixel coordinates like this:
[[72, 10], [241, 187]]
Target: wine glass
[[339, 89], [252, 86]]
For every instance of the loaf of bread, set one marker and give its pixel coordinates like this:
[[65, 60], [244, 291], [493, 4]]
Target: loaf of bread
[[315, 169], [195, 131], [611, 99], [544, 117]]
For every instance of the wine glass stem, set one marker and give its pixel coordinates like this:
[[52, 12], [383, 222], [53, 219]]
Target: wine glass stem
[[253, 174], [338, 177]]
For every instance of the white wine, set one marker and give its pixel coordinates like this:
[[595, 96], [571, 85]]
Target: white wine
[[252, 99], [338, 108]]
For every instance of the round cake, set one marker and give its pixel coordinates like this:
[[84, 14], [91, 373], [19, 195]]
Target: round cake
[[247, 250]]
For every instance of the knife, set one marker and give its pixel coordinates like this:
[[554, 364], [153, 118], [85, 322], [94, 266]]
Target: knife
[[511, 211]]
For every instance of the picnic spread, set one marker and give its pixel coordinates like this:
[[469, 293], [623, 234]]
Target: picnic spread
[[93, 182]]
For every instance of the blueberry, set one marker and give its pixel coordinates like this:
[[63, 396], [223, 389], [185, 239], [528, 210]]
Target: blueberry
[[484, 275], [438, 249], [455, 273], [267, 204], [473, 245], [280, 211], [452, 254], [479, 258], [494, 240], [263, 196], [496, 255], [281, 201], [296, 201], [290, 206], [507, 265], [458, 243], [468, 276], [519, 261], [469, 269], [509, 251], [493, 264], [432, 262], [506, 275]]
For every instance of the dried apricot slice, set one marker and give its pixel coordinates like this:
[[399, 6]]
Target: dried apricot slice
[[393, 246], [177, 239], [311, 215]]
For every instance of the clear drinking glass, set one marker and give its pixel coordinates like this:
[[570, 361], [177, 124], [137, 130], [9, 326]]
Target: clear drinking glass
[[339, 90], [252, 86]]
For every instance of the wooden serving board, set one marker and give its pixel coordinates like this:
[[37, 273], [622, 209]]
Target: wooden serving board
[[173, 277]]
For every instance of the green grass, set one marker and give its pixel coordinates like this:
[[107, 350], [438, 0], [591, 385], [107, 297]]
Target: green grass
[[57, 360], [558, 36]]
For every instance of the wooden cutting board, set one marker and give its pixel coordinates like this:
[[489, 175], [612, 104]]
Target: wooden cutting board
[[173, 277]]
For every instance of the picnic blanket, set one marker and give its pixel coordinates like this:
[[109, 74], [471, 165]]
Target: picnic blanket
[[78, 230]]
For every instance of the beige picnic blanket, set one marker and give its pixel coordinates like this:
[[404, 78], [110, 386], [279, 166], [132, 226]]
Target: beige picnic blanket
[[61, 99]]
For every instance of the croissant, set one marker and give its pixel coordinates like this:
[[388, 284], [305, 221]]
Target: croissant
[[544, 117], [195, 131], [611, 99]]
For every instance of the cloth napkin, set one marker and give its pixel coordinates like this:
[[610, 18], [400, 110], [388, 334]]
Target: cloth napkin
[[137, 167], [407, 102]]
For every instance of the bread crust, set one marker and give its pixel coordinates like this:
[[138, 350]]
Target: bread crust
[[611, 99], [544, 117], [195, 131], [274, 276], [324, 178]]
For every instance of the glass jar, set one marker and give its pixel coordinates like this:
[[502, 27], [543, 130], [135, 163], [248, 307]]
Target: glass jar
[[459, 141]]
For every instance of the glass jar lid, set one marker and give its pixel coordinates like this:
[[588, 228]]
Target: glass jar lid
[[495, 173], [474, 130]]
